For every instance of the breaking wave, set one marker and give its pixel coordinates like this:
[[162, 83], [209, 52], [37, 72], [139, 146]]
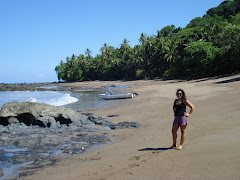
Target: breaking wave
[[55, 98]]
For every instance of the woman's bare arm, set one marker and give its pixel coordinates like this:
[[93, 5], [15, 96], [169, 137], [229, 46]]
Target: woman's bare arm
[[191, 106]]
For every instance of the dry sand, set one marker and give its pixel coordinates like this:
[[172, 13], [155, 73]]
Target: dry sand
[[211, 149]]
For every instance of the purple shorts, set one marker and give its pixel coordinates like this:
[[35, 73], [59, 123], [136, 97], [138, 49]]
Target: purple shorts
[[180, 120]]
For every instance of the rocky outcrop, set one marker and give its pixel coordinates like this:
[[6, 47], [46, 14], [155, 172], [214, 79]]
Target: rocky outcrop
[[107, 122], [97, 120], [125, 124], [25, 86], [45, 115], [41, 114], [34, 147], [42, 87]]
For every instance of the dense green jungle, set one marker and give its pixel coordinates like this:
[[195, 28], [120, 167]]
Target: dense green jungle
[[207, 46]]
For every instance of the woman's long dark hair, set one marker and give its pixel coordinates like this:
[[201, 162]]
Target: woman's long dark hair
[[184, 97]]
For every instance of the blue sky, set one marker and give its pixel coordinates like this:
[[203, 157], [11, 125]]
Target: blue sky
[[36, 34]]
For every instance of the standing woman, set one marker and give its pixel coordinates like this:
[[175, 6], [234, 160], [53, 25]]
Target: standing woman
[[181, 117]]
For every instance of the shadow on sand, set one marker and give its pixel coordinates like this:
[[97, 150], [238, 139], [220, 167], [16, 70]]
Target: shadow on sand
[[193, 80], [154, 149], [228, 81]]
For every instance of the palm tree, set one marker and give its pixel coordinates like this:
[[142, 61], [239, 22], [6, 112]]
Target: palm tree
[[171, 52], [125, 46], [159, 34], [106, 49], [142, 38], [102, 52], [71, 68], [81, 60], [137, 59], [88, 53]]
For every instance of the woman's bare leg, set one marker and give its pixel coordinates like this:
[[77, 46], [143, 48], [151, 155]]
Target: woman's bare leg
[[174, 135], [183, 136]]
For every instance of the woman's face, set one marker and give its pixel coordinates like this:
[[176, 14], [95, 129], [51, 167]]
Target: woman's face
[[179, 94]]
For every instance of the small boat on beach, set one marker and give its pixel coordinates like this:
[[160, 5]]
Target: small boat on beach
[[116, 93]]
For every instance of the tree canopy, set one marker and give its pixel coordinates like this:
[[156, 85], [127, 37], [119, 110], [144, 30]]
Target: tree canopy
[[207, 46]]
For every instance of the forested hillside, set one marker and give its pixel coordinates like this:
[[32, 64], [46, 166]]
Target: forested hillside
[[207, 46]]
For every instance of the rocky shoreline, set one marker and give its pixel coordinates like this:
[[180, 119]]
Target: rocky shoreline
[[54, 86], [25, 86], [36, 135], [31, 148]]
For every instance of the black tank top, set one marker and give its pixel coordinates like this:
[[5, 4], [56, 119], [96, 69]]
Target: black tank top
[[180, 109]]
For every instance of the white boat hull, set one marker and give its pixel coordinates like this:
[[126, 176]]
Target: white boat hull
[[116, 96]]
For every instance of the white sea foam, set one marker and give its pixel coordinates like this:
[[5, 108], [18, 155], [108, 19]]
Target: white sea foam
[[63, 100], [55, 98], [32, 100]]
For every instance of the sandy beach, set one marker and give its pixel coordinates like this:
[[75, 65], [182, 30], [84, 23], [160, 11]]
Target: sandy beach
[[211, 149]]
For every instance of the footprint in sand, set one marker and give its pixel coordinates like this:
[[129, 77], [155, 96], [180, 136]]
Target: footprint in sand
[[134, 165], [135, 158]]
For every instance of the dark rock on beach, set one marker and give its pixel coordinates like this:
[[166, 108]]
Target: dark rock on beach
[[125, 124], [113, 115], [98, 120], [36, 135], [43, 115]]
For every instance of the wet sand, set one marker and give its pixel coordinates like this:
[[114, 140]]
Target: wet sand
[[211, 149]]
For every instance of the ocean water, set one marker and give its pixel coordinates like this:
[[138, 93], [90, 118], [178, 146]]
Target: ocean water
[[54, 98], [90, 100], [79, 101]]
